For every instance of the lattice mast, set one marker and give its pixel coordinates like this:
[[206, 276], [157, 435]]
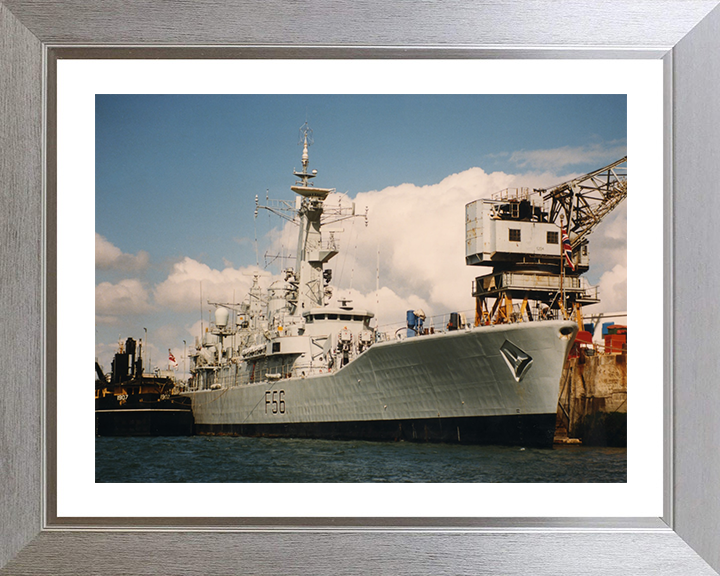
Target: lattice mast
[[309, 280]]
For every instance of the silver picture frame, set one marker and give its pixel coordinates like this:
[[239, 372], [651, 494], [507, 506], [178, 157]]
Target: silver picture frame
[[685, 34]]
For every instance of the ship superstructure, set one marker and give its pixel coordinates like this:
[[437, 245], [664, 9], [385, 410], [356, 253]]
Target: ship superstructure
[[287, 363]]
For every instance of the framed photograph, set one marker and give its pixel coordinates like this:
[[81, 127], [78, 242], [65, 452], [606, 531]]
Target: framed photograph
[[400, 248], [670, 520]]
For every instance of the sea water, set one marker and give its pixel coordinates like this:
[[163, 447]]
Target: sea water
[[238, 459]]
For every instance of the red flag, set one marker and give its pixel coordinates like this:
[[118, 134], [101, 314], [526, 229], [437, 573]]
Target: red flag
[[171, 358]]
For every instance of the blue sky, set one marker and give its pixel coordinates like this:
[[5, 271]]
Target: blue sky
[[176, 178]]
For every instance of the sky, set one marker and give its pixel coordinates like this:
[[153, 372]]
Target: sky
[[176, 178]]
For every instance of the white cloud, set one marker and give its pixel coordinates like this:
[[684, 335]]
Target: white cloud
[[162, 339], [181, 290], [104, 355], [167, 335], [613, 290], [419, 230], [195, 330], [608, 242], [608, 262], [127, 297], [109, 256], [420, 233], [558, 158]]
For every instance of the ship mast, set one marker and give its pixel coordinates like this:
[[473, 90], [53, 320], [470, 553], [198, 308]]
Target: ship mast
[[312, 252], [309, 282]]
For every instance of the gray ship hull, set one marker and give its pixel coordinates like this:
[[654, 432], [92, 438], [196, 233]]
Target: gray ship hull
[[486, 385]]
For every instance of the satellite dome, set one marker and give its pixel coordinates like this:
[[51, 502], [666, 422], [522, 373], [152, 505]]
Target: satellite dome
[[221, 317]]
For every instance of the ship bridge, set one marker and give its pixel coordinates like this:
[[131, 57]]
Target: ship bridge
[[338, 314]]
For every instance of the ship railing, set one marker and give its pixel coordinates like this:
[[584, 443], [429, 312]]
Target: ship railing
[[238, 376], [431, 325], [331, 244], [532, 281], [512, 194], [440, 323], [616, 349]]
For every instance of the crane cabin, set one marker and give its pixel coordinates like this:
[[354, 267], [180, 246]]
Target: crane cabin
[[513, 227]]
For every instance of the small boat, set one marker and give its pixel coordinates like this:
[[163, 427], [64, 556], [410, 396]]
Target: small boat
[[130, 403]]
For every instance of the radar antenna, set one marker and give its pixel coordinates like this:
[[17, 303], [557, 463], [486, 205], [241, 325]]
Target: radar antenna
[[306, 139]]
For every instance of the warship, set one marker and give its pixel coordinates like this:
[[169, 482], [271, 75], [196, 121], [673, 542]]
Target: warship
[[287, 363]]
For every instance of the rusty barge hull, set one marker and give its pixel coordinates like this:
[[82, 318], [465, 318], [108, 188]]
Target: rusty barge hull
[[593, 400]]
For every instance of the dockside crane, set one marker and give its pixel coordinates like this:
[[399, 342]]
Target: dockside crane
[[585, 201], [536, 241]]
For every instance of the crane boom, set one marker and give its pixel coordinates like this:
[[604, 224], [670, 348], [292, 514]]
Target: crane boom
[[586, 200]]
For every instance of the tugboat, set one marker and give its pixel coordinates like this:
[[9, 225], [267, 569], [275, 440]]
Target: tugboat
[[130, 403]]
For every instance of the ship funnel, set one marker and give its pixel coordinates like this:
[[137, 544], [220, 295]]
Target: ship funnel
[[221, 317]]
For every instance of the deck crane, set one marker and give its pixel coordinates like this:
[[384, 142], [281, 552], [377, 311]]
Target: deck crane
[[518, 232]]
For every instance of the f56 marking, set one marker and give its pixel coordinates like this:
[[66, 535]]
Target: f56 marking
[[275, 399]]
